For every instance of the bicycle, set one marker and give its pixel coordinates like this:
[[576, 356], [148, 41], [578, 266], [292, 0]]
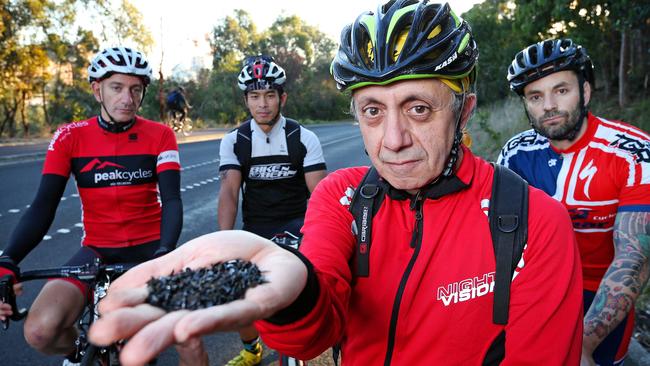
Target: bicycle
[[289, 239], [100, 277], [179, 125]]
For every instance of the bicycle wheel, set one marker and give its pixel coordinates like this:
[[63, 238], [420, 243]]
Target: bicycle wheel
[[186, 127]]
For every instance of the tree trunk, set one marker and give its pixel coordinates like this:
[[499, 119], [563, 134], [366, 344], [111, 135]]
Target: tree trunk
[[23, 120], [622, 70], [161, 93]]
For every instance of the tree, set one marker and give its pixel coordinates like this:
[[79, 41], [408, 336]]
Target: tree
[[43, 54]]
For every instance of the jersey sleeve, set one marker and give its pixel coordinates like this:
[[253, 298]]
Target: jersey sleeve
[[635, 194], [545, 316], [168, 157], [59, 152], [228, 159], [314, 159]]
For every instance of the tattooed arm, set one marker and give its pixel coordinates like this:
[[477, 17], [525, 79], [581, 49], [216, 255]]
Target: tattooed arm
[[622, 283], [228, 198]]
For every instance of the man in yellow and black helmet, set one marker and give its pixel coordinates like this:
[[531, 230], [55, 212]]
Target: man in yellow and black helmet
[[421, 285]]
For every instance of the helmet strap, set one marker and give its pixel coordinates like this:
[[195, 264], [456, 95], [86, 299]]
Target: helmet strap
[[112, 125], [458, 136]]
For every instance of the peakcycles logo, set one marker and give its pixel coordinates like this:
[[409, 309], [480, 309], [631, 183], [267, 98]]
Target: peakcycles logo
[[271, 171], [100, 172]]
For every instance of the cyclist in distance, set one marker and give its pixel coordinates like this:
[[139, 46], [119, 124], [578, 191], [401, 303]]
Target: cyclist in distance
[[600, 170], [276, 163], [428, 295], [121, 162], [177, 104]]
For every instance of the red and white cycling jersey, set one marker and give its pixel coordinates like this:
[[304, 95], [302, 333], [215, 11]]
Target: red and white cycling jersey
[[605, 172], [116, 176]]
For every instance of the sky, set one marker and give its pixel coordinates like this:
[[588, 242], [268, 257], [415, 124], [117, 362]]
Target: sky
[[180, 27]]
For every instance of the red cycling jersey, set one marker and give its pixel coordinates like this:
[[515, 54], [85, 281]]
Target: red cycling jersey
[[605, 172], [429, 301], [116, 176]]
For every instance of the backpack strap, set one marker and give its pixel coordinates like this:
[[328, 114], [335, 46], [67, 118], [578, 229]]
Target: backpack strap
[[365, 203], [295, 148], [243, 148], [508, 217]]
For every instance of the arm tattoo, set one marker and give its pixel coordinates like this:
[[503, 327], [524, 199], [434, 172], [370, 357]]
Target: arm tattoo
[[625, 277]]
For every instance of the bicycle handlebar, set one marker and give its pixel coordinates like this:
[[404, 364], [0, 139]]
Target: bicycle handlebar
[[86, 272]]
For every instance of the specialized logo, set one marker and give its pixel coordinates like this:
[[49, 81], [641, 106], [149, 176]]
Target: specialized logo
[[272, 171], [588, 173], [465, 290]]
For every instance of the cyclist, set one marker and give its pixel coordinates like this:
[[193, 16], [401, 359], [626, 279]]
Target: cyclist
[[428, 297], [599, 170], [274, 161], [121, 162], [177, 103]]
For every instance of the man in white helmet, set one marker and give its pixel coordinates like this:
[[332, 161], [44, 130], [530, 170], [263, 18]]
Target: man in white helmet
[[275, 161], [121, 163]]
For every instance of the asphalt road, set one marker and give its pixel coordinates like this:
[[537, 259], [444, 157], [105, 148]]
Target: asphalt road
[[20, 166]]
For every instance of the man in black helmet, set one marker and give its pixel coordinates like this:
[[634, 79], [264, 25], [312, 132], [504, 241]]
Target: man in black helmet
[[420, 286], [600, 170], [274, 161]]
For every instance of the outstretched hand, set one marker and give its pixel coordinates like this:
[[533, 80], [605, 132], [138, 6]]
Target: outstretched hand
[[151, 330]]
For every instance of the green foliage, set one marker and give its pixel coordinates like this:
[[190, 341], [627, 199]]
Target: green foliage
[[44, 55], [494, 124]]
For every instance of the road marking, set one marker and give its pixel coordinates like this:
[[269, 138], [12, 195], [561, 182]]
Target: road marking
[[340, 140], [47, 237], [14, 210]]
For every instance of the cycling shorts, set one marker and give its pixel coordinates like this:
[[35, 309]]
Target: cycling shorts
[[613, 349], [270, 229], [88, 254]]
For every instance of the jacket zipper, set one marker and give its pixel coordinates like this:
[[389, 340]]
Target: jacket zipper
[[416, 241]]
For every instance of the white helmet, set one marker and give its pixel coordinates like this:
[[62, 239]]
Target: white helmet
[[261, 72], [119, 60]]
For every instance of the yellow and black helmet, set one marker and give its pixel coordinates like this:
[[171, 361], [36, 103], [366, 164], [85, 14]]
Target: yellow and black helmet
[[406, 39]]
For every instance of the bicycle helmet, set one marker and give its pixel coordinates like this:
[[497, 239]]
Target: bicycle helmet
[[405, 39], [259, 73], [543, 58], [120, 60]]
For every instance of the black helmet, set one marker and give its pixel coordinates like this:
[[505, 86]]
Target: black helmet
[[546, 57], [405, 39]]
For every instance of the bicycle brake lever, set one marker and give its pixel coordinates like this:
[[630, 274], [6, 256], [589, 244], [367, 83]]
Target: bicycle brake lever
[[7, 296]]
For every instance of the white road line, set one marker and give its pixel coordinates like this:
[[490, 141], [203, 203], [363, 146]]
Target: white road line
[[14, 210], [79, 224], [340, 140], [63, 231], [47, 237]]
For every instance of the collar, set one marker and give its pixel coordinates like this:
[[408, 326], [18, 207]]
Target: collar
[[278, 126], [115, 127], [592, 126], [443, 186]]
